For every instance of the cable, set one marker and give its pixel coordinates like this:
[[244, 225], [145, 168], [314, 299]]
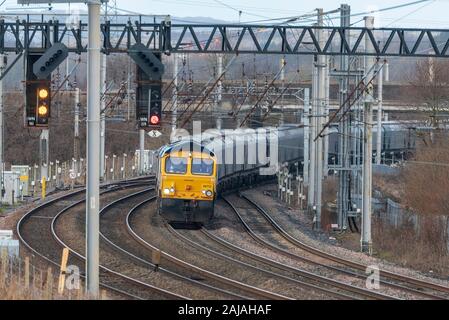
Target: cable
[[410, 13], [290, 19], [238, 10]]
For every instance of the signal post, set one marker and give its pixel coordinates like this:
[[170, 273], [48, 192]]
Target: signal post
[[148, 94]]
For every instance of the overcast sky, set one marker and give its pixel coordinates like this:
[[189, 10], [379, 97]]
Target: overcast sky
[[425, 14]]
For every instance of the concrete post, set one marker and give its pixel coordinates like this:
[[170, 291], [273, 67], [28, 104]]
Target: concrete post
[[379, 115], [2, 67], [103, 116], [93, 152], [366, 242], [142, 151]]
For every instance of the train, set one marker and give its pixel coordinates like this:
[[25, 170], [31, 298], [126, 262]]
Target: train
[[194, 170]]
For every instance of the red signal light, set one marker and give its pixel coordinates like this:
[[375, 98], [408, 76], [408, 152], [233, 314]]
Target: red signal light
[[154, 120]]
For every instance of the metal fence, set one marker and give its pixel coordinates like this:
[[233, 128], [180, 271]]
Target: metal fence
[[395, 215], [29, 182]]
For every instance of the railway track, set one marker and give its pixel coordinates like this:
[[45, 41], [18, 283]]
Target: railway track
[[118, 244], [38, 231], [207, 242], [250, 291], [35, 231], [393, 280], [271, 267], [114, 234]]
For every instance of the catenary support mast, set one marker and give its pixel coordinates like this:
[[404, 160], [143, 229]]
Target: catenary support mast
[[93, 152], [366, 243]]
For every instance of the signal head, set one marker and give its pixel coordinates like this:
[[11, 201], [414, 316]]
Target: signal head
[[154, 120], [43, 110], [43, 93]]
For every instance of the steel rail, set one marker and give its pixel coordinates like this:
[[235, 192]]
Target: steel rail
[[257, 258], [332, 257], [145, 262], [226, 281], [311, 261], [81, 257], [319, 278], [41, 255]]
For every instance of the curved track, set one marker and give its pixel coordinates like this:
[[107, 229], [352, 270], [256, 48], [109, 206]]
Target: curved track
[[250, 291], [35, 231], [127, 254], [393, 280], [114, 234]]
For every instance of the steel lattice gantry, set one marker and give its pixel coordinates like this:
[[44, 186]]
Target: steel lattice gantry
[[166, 37]]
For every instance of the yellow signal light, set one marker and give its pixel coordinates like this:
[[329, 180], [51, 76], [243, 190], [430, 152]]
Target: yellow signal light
[[43, 110], [43, 93]]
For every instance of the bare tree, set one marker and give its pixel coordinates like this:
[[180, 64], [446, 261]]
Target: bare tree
[[427, 177], [429, 88]]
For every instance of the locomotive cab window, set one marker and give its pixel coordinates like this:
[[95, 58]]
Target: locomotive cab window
[[175, 165], [202, 166]]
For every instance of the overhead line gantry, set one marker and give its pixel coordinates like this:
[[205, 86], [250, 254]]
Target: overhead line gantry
[[23, 35]]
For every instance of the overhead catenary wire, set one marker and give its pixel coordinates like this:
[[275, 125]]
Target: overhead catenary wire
[[251, 111], [346, 106], [238, 10], [364, 13], [208, 91]]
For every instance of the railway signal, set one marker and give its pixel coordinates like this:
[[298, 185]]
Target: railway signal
[[38, 83], [43, 103], [37, 95], [155, 105], [149, 87]]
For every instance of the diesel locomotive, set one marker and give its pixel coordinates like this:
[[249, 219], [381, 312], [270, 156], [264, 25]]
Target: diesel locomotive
[[194, 170]]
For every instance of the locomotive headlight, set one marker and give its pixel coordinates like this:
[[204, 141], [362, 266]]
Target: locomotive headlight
[[209, 193], [172, 190], [166, 191]]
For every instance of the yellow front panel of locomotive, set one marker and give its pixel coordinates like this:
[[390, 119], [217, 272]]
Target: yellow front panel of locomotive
[[186, 185]]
